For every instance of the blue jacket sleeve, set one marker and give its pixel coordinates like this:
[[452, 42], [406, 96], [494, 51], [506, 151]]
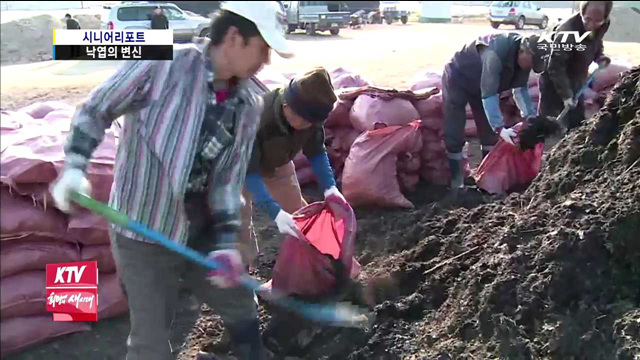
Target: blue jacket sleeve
[[322, 169], [491, 106], [261, 196], [523, 100]]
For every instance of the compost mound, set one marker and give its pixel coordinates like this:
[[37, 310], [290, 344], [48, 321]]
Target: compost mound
[[549, 273]]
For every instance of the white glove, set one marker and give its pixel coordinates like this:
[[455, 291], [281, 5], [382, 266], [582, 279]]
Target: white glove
[[333, 191], [231, 269], [571, 102], [285, 223], [71, 180], [507, 135]]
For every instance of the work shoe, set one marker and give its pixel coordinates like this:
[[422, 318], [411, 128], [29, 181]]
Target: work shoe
[[457, 176]]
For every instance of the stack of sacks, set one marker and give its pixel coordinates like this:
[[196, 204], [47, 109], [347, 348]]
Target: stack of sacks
[[433, 106], [603, 82], [35, 233]]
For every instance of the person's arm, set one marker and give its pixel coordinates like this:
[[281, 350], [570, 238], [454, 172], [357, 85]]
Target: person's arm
[[261, 196], [322, 169], [129, 89], [523, 101], [489, 84]]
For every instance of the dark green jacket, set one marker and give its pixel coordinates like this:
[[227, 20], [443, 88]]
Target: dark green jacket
[[277, 142]]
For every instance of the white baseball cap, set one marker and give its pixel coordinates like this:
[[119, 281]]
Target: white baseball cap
[[269, 19]]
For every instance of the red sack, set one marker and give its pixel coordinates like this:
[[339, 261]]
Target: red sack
[[506, 167], [102, 254], [370, 171], [21, 218], [305, 175], [19, 333], [111, 299], [314, 265], [19, 256], [408, 162], [23, 294], [301, 161], [339, 116], [427, 80], [87, 228], [349, 81], [470, 128], [609, 75], [432, 108], [40, 109], [408, 181], [369, 113]]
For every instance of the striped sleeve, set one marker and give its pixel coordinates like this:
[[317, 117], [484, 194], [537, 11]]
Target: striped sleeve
[[125, 91]]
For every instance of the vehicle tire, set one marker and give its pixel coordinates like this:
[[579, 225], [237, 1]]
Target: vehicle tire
[[334, 31], [311, 29], [544, 23], [520, 23], [388, 20], [204, 33], [495, 25], [404, 19]]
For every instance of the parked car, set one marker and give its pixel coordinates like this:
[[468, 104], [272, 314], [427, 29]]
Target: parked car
[[138, 16], [518, 13]]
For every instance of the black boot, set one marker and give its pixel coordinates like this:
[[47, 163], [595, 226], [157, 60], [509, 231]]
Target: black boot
[[246, 341], [457, 177]]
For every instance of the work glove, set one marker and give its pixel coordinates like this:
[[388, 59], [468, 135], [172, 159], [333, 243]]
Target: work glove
[[230, 268], [72, 180], [603, 61], [570, 102], [285, 223], [333, 191], [507, 135]]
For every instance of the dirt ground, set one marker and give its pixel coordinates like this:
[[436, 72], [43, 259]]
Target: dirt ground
[[414, 321]]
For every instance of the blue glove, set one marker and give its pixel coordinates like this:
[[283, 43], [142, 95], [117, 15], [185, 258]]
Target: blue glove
[[491, 106]]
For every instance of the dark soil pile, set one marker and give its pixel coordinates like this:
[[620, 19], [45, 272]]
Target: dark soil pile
[[552, 273]]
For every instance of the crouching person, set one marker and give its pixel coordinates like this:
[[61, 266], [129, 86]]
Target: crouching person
[[476, 75]]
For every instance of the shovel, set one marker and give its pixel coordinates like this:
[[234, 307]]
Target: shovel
[[339, 315]]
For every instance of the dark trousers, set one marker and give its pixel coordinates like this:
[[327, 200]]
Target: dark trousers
[[150, 275], [551, 104], [455, 99]]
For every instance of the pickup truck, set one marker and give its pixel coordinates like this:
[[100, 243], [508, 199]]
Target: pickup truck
[[313, 16]]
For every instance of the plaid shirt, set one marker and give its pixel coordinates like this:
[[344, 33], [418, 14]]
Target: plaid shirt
[[164, 105]]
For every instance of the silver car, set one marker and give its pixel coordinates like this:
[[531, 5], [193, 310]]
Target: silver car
[[138, 16], [518, 13]]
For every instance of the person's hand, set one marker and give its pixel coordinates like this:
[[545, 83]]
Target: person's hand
[[603, 61], [230, 269], [507, 135], [71, 180], [570, 102], [285, 224], [333, 191]]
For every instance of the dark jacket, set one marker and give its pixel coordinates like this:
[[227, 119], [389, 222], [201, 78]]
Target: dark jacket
[[277, 142], [159, 22], [568, 70], [489, 75], [73, 24]]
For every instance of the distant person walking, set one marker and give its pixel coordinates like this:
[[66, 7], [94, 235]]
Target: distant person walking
[[159, 21], [72, 24]]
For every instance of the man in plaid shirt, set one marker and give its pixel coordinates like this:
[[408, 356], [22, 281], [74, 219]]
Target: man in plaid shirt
[[189, 128]]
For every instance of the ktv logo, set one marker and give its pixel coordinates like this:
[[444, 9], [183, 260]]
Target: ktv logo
[[72, 291]]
